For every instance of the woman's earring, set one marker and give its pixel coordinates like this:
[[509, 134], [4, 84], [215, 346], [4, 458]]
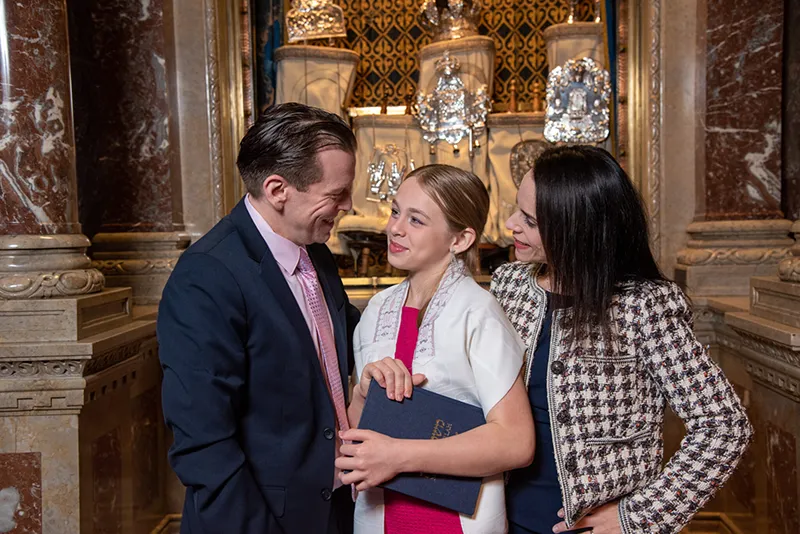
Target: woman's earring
[[452, 255]]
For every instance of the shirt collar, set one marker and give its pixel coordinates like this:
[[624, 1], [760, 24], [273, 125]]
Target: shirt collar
[[286, 252]]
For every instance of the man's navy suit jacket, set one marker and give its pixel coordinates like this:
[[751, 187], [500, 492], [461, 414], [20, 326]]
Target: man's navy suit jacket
[[243, 389]]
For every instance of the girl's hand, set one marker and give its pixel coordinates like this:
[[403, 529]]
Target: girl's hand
[[392, 375], [371, 462]]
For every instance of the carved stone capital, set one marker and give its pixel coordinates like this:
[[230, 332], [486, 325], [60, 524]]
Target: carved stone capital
[[46, 266], [140, 260]]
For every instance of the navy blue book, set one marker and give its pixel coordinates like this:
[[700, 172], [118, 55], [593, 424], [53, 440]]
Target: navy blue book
[[426, 415]]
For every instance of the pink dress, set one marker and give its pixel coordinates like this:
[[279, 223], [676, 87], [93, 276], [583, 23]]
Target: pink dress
[[403, 514]]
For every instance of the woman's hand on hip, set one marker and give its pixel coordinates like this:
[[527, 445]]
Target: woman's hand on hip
[[390, 374], [371, 462], [602, 520]]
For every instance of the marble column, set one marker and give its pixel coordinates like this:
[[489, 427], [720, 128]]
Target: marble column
[[128, 172], [42, 250], [739, 229]]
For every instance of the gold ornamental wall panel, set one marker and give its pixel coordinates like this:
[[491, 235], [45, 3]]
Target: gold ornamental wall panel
[[388, 36]]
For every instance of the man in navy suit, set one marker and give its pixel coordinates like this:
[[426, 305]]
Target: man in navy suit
[[255, 332]]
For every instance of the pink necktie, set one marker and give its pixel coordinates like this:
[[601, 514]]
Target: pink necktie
[[330, 361]]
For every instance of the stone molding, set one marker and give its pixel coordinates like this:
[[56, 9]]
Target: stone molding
[[760, 361], [653, 169], [140, 260], [721, 256], [30, 383], [214, 109], [46, 266], [778, 351], [789, 269], [42, 368], [50, 284], [737, 242], [118, 368], [732, 256]]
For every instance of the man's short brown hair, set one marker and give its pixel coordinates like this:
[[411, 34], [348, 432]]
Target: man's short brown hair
[[285, 140]]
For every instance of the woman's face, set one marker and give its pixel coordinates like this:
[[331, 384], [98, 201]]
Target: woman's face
[[524, 226], [418, 233]]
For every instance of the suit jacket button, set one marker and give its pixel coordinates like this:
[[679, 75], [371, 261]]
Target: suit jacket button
[[326, 494], [328, 433], [563, 417], [557, 367]]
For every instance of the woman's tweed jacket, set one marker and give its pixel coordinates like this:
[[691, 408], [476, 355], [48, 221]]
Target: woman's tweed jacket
[[607, 406]]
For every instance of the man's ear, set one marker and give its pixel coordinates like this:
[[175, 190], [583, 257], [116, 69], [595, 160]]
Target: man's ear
[[275, 190]]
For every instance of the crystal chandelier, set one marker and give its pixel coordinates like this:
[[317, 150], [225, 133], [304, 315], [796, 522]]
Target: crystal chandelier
[[450, 19], [578, 96], [314, 19], [450, 112]]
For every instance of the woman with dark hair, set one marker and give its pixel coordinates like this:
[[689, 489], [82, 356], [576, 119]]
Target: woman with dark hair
[[609, 343]]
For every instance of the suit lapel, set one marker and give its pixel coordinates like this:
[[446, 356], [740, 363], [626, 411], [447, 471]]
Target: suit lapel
[[273, 277]]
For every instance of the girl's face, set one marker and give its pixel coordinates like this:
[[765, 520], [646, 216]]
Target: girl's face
[[418, 233]]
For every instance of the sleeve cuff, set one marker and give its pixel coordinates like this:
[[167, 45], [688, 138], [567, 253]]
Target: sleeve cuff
[[625, 523]]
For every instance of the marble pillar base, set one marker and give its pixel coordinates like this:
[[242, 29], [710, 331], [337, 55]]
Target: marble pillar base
[[60, 404], [46, 266], [142, 261], [721, 256], [64, 319]]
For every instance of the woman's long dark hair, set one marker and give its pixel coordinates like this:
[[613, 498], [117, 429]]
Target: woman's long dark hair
[[593, 228]]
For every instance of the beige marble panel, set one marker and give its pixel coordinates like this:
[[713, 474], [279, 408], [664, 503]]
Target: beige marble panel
[[55, 437]]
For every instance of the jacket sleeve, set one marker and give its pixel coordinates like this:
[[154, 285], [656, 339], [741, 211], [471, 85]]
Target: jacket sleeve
[[717, 429], [201, 331]]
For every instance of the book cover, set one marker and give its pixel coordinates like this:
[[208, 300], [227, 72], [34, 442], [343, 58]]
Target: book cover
[[426, 415]]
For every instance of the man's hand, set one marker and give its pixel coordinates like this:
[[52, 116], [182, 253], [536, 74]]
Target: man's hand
[[392, 375], [603, 520]]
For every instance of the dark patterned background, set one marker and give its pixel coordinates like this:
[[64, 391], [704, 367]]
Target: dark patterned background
[[387, 35]]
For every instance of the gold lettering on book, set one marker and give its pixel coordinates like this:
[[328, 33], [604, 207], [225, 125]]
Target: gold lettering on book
[[441, 429]]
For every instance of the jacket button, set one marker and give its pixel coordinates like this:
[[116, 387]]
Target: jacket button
[[563, 417], [571, 464], [326, 494], [557, 367], [328, 433]]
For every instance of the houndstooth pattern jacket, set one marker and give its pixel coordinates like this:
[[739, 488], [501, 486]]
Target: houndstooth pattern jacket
[[607, 406]]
